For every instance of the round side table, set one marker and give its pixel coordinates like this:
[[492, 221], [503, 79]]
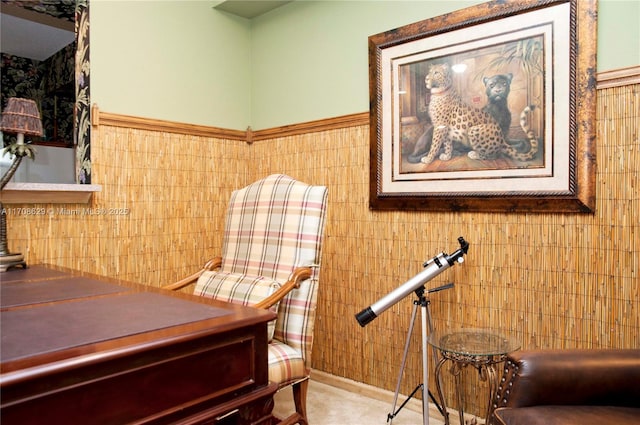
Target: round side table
[[480, 348]]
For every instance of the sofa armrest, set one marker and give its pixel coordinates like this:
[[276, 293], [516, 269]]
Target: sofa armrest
[[606, 377]]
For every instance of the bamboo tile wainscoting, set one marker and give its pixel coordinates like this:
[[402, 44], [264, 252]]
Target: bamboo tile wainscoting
[[550, 280]]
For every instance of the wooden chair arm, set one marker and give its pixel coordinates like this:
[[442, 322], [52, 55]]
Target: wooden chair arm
[[212, 264], [298, 275]]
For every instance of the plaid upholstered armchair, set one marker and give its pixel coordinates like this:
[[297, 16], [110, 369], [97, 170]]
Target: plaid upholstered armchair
[[270, 259]]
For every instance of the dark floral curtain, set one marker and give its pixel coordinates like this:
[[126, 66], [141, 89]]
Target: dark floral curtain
[[21, 77], [83, 99], [59, 98]]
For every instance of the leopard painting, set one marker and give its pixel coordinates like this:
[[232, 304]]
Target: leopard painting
[[455, 121]]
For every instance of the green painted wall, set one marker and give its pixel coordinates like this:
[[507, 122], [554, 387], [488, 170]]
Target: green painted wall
[[312, 60], [184, 61], [172, 60], [618, 34]]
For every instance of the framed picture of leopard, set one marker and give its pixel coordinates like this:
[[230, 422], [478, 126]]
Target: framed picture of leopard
[[488, 108]]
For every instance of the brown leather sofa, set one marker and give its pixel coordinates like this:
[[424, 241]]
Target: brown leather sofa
[[580, 387]]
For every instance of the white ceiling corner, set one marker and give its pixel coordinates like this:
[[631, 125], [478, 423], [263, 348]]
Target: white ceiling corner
[[249, 8]]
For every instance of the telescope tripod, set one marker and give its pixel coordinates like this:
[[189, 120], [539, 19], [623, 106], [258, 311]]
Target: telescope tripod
[[427, 325], [432, 268]]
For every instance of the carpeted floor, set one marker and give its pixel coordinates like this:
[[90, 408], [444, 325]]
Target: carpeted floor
[[330, 405]]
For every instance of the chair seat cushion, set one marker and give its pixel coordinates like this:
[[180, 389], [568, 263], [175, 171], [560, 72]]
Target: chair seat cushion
[[285, 363], [238, 289], [567, 415]]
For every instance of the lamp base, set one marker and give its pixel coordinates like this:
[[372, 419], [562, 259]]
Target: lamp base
[[9, 261]]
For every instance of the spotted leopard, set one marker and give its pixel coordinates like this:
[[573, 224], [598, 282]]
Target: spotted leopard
[[455, 121]]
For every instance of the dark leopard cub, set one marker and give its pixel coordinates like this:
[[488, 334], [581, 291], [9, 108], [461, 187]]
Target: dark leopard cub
[[497, 89]]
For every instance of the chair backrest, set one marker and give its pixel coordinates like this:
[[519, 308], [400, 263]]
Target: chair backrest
[[272, 227]]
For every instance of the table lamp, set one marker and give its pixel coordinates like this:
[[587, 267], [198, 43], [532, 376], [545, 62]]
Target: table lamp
[[20, 116]]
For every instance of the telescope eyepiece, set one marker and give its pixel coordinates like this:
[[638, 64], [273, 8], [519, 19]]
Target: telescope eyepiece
[[464, 245]]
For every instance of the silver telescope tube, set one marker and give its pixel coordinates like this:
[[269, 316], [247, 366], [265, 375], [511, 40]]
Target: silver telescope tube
[[436, 266], [432, 268]]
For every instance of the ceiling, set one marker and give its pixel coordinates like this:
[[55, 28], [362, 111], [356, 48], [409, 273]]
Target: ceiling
[[33, 34], [247, 8], [37, 30]]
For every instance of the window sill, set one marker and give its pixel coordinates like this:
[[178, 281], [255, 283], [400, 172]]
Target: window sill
[[47, 193]]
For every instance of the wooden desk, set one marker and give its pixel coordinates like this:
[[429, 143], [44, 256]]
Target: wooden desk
[[78, 349]]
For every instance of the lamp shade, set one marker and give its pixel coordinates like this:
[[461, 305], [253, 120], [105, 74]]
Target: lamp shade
[[21, 116]]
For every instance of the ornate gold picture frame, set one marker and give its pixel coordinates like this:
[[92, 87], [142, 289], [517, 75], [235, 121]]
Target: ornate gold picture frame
[[489, 108]]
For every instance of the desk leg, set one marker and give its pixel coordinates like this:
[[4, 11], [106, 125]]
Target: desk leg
[[443, 403]]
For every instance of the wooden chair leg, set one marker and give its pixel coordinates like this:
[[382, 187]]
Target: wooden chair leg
[[300, 400]]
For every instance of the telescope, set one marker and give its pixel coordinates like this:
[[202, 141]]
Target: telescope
[[432, 268]]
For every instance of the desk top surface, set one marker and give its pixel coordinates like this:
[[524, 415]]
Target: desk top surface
[[52, 314]]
